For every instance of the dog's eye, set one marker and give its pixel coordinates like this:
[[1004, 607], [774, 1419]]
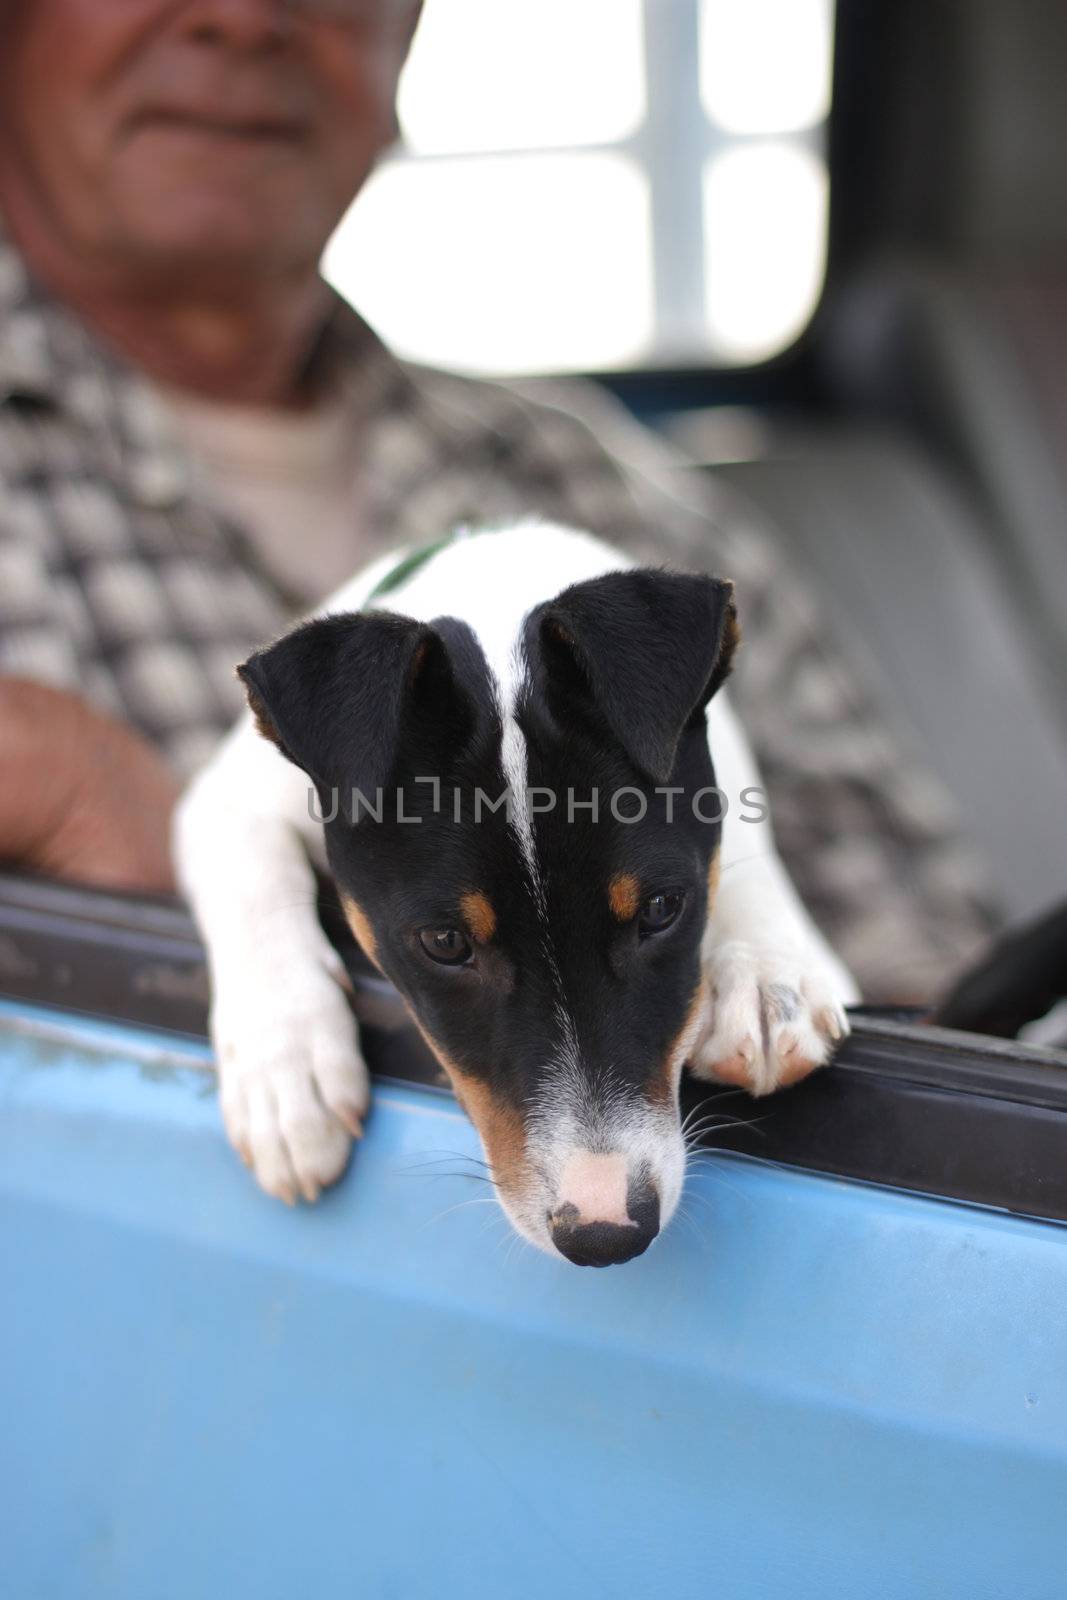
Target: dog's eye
[[660, 911], [448, 946]]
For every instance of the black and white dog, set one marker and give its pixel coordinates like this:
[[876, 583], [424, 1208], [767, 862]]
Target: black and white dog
[[511, 743]]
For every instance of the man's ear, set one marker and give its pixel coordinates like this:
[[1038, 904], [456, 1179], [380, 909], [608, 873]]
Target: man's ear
[[645, 650], [335, 694]]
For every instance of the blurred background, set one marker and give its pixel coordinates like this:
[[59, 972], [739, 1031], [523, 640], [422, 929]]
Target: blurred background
[[599, 185]]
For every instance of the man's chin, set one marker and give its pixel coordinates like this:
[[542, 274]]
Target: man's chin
[[213, 234], [257, 221]]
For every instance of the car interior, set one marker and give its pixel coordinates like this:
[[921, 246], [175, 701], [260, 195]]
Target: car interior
[[909, 454], [902, 453]]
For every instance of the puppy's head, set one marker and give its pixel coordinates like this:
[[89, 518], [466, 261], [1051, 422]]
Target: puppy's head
[[529, 857]]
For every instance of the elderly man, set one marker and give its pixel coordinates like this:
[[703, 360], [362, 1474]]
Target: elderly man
[[197, 439]]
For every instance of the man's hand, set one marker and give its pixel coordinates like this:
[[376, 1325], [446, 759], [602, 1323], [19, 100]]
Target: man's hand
[[82, 797]]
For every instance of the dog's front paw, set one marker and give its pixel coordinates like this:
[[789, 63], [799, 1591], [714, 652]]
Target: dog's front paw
[[770, 1017], [293, 1086]]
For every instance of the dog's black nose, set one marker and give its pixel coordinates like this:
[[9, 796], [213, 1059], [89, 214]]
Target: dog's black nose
[[600, 1244], [607, 1244]]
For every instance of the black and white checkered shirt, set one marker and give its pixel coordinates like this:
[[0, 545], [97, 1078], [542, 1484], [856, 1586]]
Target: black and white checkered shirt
[[119, 579]]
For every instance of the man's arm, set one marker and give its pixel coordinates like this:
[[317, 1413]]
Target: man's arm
[[82, 797]]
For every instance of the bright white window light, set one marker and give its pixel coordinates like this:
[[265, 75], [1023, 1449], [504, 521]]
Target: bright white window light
[[765, 214], [514, 232], [487, 75], [503, 264], [765, 64]]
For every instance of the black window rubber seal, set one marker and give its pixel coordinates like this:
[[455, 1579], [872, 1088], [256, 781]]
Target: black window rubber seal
[[904, 1104]]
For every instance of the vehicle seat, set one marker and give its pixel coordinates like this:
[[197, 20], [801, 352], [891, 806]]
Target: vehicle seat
[[946, 306], [976, 363], [918, 606], [931, 499]]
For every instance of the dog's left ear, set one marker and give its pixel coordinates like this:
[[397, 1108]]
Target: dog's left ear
[[646, 649], [337, 695]]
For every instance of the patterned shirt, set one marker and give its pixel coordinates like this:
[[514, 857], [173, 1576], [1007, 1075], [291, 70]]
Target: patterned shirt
[[118, 578]]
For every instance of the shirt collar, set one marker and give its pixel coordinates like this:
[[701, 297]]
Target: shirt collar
[[49, 356], [27, 367]]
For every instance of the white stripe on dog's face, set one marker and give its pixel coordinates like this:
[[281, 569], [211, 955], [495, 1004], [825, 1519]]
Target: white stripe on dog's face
[[511, 678], [582, 1156], [514, 757]]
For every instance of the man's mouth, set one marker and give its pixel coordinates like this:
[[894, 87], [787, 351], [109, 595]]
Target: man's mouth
[[251, 128]]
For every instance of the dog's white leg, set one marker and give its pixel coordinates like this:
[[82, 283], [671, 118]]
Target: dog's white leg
[[293, 1084], [775, 991]]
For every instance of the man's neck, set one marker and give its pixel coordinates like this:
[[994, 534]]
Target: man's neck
[[253, 353], [245, 340]]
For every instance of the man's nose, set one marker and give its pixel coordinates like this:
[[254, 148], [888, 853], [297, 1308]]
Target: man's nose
[[604, 1215], [248, 24]]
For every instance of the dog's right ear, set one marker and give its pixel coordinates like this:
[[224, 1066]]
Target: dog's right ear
[[334, 694], [643, 650]]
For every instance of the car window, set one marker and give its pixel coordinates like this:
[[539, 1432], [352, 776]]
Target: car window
[[662, 162]]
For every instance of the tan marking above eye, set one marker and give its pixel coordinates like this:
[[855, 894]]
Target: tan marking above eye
[[624, 896], [359, 922], [478, 914]]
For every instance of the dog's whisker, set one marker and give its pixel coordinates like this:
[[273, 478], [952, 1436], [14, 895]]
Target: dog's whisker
[[456, 1155], [695, 1129], [436, 1161], [690, 1221], [437, 1170], [711, 1170], [706, 1153], [695, 1111], [511, 1244], [705, 1101], [698, 1139], [493, 1218], [447, 1172], [695, 1157], [728, 1116], [436, 1164], [460, 1205], [467, 1177], [729, 1125], [434, 1167]]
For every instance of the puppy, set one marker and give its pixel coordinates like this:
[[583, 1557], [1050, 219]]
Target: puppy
[[508, 741]]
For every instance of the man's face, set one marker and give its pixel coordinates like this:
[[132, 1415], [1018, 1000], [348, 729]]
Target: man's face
[[172, 135]]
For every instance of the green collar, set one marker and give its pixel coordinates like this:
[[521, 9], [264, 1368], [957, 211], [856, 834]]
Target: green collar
[[412, 561]]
